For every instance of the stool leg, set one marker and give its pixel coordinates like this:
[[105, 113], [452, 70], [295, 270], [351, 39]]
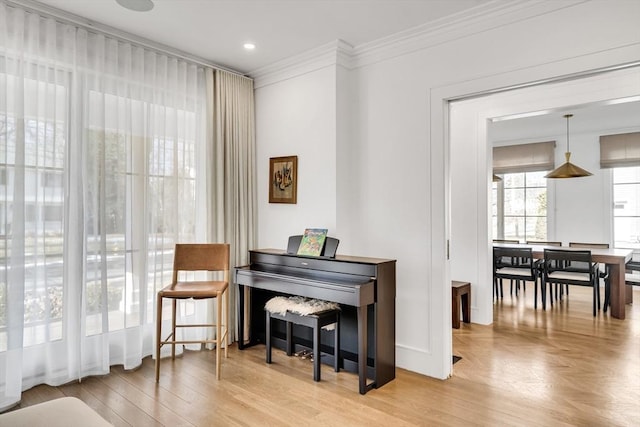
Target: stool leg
[[455, 310], [316, 352], [466, 309], [289, 338], [336, 345], [267, 333]]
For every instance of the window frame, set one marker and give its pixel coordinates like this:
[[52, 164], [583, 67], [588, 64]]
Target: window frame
[[500, 208], [636, 250]]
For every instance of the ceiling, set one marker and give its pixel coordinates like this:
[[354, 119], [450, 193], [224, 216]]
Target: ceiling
[[598, 117], [215, 30]]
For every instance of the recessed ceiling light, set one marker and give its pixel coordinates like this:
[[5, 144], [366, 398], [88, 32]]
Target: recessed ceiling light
[[137, 5], [249, 46]]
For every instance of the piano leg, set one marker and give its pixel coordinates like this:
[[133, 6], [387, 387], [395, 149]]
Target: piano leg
[[241, 317], [362, 349], [268, 335], [316, 352]]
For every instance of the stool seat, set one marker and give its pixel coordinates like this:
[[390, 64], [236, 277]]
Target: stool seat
[[460, 295], [329, 314]]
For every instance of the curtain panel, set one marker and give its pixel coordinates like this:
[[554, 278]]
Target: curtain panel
[[109, 155], [234, 213]]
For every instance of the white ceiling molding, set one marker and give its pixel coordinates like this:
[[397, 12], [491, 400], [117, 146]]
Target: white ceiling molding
[[472, 21], [464, 24], [335, 53]]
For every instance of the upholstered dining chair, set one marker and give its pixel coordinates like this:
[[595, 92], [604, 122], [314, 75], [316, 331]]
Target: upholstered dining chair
[[603, 269], [515, 263], [210, 257], [632, 275], [572, 267], [513, 242], [631, 278], [559, 290]]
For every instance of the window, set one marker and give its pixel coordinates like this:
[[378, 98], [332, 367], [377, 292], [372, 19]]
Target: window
[[34, 142], [626, 207], [520, 206]]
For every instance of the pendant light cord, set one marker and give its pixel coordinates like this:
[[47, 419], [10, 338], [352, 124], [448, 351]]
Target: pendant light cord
[[568, 116]]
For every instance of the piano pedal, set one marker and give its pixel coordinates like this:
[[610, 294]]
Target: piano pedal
[[303, 353]]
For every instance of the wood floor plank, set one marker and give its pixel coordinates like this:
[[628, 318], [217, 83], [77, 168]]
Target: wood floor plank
[[559, 367]]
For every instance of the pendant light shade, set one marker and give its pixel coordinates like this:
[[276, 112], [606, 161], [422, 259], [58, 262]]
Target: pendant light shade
[[568, 169]]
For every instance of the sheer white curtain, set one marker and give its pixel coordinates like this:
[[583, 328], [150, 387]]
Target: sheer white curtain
[[102, 170]]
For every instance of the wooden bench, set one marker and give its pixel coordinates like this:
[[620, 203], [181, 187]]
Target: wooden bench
[[460, 295], [315, 321]]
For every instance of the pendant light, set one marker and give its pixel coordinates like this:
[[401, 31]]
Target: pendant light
[[568, 169]]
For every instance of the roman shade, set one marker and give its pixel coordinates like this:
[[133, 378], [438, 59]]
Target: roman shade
[[620, 150], [537, 156]]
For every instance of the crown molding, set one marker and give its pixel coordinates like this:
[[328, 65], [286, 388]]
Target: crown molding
[[481, 18], [464, 24], [331, 54]]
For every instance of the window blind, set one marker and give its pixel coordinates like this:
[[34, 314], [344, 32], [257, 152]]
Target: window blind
[[619, 150], [537, 156]]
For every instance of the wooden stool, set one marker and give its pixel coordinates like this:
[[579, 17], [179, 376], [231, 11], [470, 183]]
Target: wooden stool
[[315, 321], [460, 294]]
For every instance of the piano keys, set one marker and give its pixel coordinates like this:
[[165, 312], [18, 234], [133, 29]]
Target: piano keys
[[364, 287]]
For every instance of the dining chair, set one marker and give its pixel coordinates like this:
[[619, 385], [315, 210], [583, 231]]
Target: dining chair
[[209, 257], [632, 275], [631, 278], [509, 241], [515, 263], [603, 269], [572, 267], [541, 265]]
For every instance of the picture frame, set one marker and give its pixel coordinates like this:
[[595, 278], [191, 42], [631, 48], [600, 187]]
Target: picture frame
[[283, 179]]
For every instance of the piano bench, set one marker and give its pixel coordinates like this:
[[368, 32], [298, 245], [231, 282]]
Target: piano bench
[[460, 295], [316, 321]]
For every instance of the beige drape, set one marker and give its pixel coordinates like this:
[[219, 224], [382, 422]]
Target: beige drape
[[620, 150], [232, 180], [538, 156]]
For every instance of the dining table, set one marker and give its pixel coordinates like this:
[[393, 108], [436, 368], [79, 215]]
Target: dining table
[[614, 258]]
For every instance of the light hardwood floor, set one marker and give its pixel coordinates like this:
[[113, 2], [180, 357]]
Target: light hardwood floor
[[559, 367]]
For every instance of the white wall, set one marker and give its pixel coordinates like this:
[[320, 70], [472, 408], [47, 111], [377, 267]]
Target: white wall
[[582, 207], [397, 195], [298, 117]]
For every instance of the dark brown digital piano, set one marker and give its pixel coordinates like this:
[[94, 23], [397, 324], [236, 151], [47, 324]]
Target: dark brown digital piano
[[365, 288]]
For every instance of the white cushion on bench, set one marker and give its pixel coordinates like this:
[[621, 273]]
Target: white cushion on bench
[[63, 412], [298, 305]]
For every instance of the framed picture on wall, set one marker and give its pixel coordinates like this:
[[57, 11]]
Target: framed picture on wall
[[283, 179]]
